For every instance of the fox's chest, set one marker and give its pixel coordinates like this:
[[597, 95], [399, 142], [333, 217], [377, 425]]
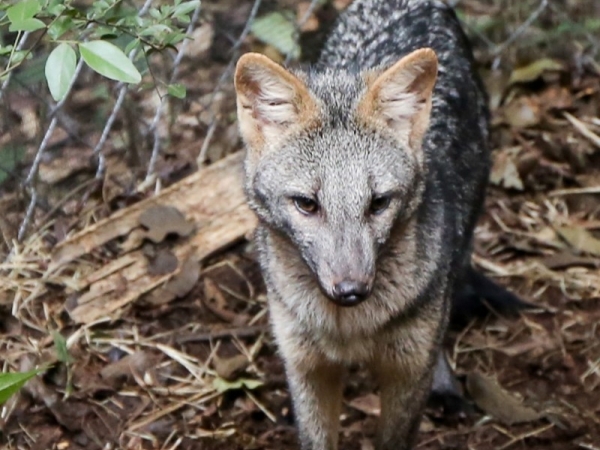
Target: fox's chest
[[343, 334], [354, 349]]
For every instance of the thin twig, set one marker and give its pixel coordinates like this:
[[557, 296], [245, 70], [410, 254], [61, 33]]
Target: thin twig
[[242, 332], [19, 47], [159, 109], [583, 129], [299, 25], [123, 88], [229, 69], [28, 215], [574, 191], [109, 124], [29, 181], [207, 139], [228, 72], [591, 37], [522, 28]]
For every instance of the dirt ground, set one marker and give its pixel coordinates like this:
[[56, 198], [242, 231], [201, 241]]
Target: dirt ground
[[198, 369]]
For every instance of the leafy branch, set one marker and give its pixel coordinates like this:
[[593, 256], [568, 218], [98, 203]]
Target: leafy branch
[[101, 36]]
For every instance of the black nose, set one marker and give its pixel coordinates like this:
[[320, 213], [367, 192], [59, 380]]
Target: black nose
[[350, 293]]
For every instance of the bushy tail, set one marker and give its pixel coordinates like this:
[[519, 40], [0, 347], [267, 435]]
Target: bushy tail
[[478, 295]]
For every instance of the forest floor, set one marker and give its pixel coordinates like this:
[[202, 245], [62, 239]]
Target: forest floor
[[191, 365]]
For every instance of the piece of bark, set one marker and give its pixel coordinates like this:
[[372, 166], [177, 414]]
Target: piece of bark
[[212, 199], [200, 197]]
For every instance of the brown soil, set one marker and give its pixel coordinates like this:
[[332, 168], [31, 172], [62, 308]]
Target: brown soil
[[150, 376]]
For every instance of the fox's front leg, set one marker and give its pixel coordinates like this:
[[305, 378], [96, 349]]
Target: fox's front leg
[[316, 389], [405, 380], [315, 382]]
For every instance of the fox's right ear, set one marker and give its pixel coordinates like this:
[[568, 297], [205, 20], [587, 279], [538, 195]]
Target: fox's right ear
[[401, 96], [270, 100]]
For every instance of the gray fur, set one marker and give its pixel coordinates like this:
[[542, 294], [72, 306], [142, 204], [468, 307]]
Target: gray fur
[[414, 252]]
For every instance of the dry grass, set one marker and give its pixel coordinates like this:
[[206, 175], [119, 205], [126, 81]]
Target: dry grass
[[200, 371]]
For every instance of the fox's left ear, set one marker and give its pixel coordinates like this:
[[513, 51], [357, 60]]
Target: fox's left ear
[[270, 101], [400, 98]]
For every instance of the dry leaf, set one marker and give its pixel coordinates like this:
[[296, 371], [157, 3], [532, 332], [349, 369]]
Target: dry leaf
[[70, 161], [135, 363], [216, 303], [556, 98], [311, 23], [580, 239], [186, 279], [162, 220], [564, 260], [498, 403], [533, 71], [523, 112], [368, 404], [495, 84], [230, 368], [366, 444], [547, 236], [504, 171], [178, 286], [222, 385], [340, 5], [202, 38], [161, 262]]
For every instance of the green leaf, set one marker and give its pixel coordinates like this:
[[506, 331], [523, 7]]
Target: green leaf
[[105, 33], [60, 68], [74, 13], [174, 38], [155, 13], [26, 25], [18, 56], [278, 30], [23, 10], [9, 158], [60, 343], [185, 8], [59, 27], [177, 90], [108, 60], [33, 72], [101, 5], [10, 383], [222, 385], [6, 50], [155, 30], [251, 384], [55, 7], [132, 44]]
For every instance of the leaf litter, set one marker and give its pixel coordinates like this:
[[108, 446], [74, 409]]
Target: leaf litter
[[160, 305]]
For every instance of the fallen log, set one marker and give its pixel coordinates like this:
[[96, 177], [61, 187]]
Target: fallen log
[[207, 211]]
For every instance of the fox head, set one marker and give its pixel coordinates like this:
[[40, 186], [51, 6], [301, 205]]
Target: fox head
[[334, 160]]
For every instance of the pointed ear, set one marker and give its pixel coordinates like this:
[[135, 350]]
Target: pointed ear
[[270, 100], [400, 98]]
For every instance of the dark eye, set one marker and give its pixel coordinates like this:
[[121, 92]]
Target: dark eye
[[305, 205], [379, 204]]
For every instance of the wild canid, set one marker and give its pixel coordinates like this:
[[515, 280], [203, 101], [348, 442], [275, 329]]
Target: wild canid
[[367, 173]]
